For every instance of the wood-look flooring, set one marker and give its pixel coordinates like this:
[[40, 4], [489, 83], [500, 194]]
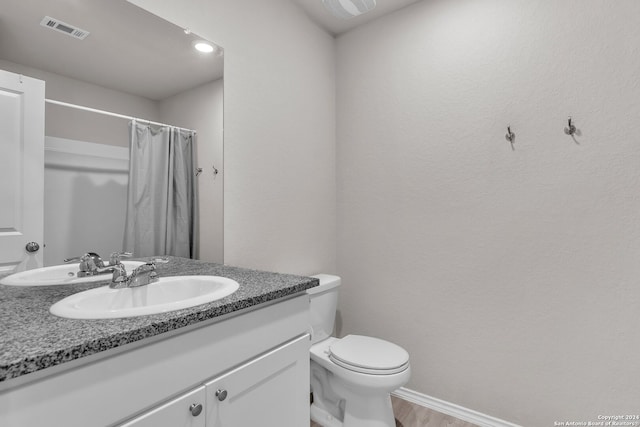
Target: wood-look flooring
[[410, 415]]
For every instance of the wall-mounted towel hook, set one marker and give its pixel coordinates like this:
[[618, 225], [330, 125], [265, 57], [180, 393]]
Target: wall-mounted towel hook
[[570, 129], [510, 136], [198, 171], [215, 170]]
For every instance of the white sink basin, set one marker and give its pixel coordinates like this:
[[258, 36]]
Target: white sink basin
[[167, 294], [65, 274]]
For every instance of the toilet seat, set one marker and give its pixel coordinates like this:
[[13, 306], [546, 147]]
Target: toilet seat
[[368, 355]]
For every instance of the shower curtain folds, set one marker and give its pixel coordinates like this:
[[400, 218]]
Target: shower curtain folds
[[161, 198]]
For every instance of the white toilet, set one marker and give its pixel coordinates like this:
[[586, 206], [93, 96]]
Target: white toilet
[[351, 377]]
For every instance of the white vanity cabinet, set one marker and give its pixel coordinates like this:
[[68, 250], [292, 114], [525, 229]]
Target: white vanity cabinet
[[260, 357], [265, 391]]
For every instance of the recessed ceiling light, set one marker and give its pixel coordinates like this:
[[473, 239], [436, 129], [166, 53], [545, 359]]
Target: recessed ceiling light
[[203, 46]]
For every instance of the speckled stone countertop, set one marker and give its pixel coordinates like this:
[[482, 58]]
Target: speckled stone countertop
[[32, 339]]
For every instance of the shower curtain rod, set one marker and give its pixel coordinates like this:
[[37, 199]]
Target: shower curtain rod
[[109, 113]]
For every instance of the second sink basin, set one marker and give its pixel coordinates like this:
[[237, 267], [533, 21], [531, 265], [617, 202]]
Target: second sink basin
[[167, 294], [64, 274]]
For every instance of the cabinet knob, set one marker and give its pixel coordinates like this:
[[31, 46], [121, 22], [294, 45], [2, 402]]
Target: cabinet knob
[[221, 395], [195, 409]]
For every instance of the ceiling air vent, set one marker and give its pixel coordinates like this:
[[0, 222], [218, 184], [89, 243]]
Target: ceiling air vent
[[63, 27]]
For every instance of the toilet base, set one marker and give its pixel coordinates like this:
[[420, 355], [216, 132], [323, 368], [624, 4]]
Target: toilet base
[[323, 417], [370, 412], [376, 414]]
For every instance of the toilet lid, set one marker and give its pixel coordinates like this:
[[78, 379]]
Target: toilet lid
[[368, 355]]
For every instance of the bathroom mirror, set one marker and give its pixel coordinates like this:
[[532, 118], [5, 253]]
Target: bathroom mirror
[[114, 57]]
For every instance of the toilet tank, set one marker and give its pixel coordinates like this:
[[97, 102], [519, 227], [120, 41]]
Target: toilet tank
[[323, 302]]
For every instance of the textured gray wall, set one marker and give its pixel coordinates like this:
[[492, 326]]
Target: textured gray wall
[[511, 277]]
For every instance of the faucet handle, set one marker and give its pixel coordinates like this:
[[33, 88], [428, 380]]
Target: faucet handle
[[91, 261], [143, 275], [114, 258], [149, 266]]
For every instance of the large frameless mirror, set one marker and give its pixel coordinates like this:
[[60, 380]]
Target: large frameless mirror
[[104, 63]]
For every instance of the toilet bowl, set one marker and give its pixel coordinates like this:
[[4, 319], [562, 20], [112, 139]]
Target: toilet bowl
[[351, 377]]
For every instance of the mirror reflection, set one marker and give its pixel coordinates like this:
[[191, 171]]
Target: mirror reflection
[[104, 64]]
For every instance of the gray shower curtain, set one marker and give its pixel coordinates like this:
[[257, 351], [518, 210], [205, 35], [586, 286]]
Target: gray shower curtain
[[161, 200]]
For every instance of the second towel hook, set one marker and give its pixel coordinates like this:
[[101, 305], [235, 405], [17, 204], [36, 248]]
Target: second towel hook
[[510, 136], [571, 128]]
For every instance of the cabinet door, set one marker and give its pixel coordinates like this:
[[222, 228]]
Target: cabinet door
[[21, 171], [270, 390], [182, 411]]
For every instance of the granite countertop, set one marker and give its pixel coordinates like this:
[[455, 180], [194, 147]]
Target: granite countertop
[[32, 339]]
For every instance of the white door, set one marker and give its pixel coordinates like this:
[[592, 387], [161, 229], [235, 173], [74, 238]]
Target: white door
[[271, 390], [21, 171]]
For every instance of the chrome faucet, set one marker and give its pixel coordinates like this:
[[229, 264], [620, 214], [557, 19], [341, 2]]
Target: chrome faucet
[[91, 263], [141, 276]]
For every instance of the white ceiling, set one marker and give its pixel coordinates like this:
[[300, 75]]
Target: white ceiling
[[320, 15], [127, 49]]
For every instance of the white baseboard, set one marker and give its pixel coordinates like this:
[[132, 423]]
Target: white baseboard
[[451, 409]]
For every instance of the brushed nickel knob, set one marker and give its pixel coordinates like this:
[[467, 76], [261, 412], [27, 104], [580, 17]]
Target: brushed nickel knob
[[32, 247], [221, 395], [195, 409]]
